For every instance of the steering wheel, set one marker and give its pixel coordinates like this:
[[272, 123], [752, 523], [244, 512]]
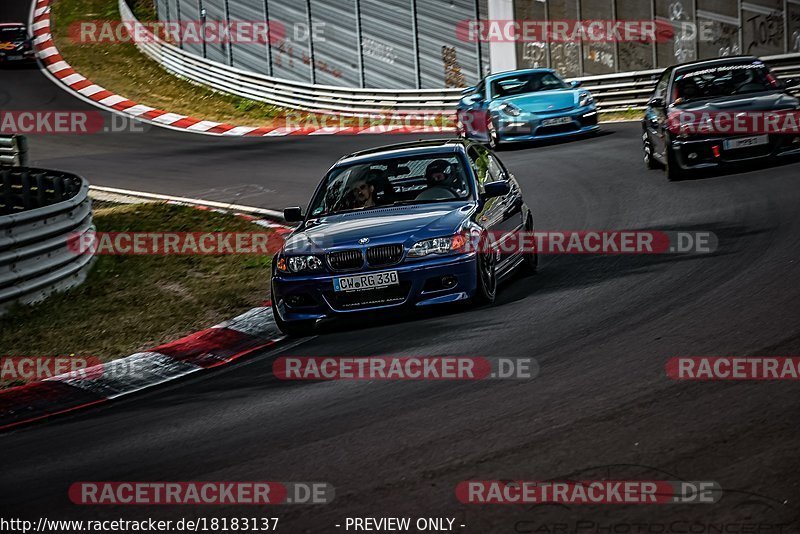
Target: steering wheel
[[438, 192]]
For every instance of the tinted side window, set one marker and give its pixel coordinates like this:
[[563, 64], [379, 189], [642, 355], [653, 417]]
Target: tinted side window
[[487, 168], [661, 86]]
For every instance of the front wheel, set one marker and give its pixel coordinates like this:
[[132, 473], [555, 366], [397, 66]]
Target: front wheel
[[486, 291], [292, 328], [647, 146], [491, 133], [530, 260], [673, 169]]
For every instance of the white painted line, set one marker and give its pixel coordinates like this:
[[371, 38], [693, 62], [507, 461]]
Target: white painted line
[[111, 100], [258, 323], [58, 66], [128, 375], [203, 126], [194, 201], [90, 90], [72, 79], [168, 118], [280, 132], [138, 109], [47, 52], [239, 130]]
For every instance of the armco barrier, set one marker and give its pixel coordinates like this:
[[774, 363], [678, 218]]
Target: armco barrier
[[39, 210], [613, 92], [13, 150]]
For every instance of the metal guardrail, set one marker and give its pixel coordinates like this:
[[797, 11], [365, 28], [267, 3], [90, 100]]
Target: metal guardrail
[[613, 92], [40, 212], [13, 150]]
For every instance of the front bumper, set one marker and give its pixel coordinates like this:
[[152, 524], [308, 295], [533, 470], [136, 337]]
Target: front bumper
[[18, 57], [700, 153], [312, 297], [529, 127]]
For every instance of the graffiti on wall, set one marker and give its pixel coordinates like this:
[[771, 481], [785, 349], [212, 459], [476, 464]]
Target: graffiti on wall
[[453, 76], [684, 40]]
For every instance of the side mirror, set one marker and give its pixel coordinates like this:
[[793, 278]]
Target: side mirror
[[791, 82], [656, 103], [293, 214], [496, 189], [576, 83]]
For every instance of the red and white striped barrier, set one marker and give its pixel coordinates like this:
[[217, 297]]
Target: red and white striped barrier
[[61, 70], [219, 345]]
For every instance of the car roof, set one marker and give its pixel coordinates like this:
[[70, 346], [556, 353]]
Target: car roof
[[717, 61], [519, 71], [410, 149]]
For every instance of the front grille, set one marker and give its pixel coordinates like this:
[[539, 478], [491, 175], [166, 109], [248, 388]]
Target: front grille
[[370, 297], [558, 129], [344, 260], [384, 255], [589, 121]]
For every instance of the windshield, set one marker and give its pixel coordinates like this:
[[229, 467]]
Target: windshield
[[531, 82], [392, 182], [12, 34], [726, 80]]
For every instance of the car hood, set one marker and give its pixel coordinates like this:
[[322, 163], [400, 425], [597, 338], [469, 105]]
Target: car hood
[[772, 101], [401, 224], [542, 102]]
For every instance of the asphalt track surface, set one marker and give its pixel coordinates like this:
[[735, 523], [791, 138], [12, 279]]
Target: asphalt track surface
[[601, 328]]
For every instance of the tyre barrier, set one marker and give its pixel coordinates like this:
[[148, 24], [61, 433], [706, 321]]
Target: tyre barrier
[[41, 211], [13, 150]]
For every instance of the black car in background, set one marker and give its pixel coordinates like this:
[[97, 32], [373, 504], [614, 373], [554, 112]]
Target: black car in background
[[680, 131], [16, 45]]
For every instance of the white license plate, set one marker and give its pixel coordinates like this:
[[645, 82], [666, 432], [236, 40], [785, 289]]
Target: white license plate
[[556, 122], [361, 282], [15, 58], [746, 142]]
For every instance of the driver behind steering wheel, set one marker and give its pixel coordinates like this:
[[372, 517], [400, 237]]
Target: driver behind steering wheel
[[442, 181]]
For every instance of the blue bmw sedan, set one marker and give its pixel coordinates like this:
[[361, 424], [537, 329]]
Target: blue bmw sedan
[[525, 105], [387, 229]]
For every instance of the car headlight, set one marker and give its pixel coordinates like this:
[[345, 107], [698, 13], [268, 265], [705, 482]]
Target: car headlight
[[586, 99], [299, 264], [439, 245], [511, 109]]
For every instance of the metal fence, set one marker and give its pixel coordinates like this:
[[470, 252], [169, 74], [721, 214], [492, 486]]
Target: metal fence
[[613, 92], [40, 212], [13, 150], [409, 44]]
